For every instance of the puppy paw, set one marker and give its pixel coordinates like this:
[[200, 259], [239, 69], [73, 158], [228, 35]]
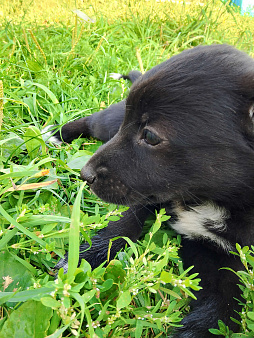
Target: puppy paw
[[116, 76], [95, 255], [132, 76], [63, 263], [50, 135]]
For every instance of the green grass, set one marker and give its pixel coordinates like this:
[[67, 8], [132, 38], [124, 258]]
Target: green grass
[[54, 68]]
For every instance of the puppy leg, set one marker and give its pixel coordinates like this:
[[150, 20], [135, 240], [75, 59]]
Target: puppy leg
[[216, 300], [103, 125], [129, 225]]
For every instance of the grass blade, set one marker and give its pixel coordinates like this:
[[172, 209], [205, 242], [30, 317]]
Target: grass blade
[[73, 256], [24, 230]]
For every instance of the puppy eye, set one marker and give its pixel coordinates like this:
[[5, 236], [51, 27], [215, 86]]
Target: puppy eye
[[150, 137]]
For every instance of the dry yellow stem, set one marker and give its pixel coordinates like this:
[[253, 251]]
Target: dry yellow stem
[[139, 60], [43, 172], [31, 186], [88, 61], [75, 30], [78, 38], [1, 103], [26, 41], [75, 41], [13, 47], [38, 45], [72, 37]]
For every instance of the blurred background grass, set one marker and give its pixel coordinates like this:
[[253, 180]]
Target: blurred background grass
[[231, 26]]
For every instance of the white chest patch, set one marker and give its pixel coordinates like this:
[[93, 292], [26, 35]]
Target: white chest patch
[[197, 222]]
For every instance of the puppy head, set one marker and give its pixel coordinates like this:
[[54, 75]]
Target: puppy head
[[187, 133]]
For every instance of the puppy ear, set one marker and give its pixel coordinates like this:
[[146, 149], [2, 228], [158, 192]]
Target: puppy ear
[[248, 125], [246, 90]]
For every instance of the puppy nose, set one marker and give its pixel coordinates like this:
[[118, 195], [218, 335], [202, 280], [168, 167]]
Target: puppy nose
[[88, 175]]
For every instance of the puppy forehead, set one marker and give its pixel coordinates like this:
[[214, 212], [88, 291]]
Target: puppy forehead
[[155, 119], [139, 112], [138, 119], [145, 117]]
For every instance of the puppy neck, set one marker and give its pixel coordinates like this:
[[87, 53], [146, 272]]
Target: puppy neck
[[206, 222]]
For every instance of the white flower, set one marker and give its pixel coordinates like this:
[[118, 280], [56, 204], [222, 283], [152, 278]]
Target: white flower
[[66, 293], [53, 293], [67, 287], [134, 291]]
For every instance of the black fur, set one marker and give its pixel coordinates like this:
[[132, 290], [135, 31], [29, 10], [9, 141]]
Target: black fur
[[183, 140]]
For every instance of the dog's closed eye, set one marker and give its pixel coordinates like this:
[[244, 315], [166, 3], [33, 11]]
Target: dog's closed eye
[[150, 137]]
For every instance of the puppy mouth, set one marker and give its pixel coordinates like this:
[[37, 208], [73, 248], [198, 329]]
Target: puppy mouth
[[118, 193], [112, 189]]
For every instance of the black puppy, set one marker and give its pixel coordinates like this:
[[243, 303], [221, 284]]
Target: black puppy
[[183, 140]]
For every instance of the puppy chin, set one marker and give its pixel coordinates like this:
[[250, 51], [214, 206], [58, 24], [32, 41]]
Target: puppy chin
[[115, 192], [129, 199], [112, 199], [107, 196]]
